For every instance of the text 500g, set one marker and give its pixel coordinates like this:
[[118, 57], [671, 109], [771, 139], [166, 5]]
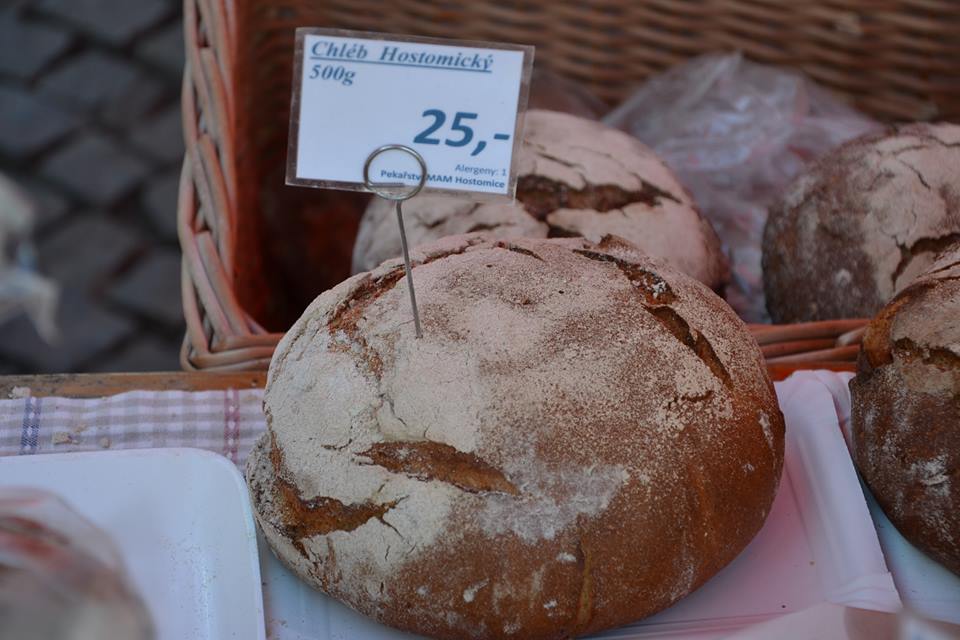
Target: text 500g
[[330, 72]]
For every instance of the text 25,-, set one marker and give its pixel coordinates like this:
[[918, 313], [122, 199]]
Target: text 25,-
[[459, 126], [336, 73]]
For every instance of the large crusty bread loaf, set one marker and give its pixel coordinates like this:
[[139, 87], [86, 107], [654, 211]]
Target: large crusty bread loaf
[[582, 436], [862, 224], [906, 410], [576, 177]]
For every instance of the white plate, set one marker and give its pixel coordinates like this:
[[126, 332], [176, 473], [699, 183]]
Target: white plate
[[927, 587], [181, 519], [818, 545]]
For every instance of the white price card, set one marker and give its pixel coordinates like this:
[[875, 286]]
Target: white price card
[[458, 104]]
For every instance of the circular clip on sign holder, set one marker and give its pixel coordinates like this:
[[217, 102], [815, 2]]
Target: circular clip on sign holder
[[395, 193]]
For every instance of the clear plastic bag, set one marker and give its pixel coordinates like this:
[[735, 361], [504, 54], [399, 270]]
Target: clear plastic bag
[[21, 288], [61, 578], [736, 133]]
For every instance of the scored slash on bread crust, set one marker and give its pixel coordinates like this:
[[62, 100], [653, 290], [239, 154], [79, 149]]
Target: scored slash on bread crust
[[542, 196], [906, 410], [582, 436], [426, 460], [657, 296]]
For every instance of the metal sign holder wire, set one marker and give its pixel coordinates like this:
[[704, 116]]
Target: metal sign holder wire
[[389, 191]]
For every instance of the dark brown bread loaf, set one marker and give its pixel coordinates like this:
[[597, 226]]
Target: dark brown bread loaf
[[582, 436], [577, 177], [862, 223], [906, 411]]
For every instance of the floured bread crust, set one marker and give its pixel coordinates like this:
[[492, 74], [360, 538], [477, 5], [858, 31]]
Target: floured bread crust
[[577, 177], [582, 436], [862, 224], [906, 411]]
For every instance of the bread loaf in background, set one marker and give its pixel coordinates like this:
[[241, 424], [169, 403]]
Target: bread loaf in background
[[582, 436], [862, 223], [906, 411], [577, 177]]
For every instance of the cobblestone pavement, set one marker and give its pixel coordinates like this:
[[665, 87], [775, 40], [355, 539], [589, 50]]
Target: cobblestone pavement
[[90, 126]]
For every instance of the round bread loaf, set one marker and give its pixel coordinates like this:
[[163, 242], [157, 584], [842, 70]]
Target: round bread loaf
[[577, 177], [862, 223], [581, 437], [906, 411]]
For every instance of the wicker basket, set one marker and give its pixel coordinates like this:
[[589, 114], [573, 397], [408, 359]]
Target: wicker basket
[[896, 60]]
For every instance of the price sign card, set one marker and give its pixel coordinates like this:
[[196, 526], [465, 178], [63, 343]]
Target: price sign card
[[458, 104]]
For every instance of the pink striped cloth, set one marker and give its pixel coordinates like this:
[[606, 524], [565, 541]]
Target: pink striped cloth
[[226, 422]]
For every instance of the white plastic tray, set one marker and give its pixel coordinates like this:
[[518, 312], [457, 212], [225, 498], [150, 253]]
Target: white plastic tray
[[818, 545], [182, 521]]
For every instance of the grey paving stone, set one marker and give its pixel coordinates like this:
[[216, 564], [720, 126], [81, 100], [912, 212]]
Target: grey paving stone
[[28, 124], [95, 168], [52, 206], [115, 21], [152, 288], [162, 136], [26, 47], [160, 201], [165, 49], [144, 354], [145, 95], [86, 329], [90, 80], [87, 251]]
